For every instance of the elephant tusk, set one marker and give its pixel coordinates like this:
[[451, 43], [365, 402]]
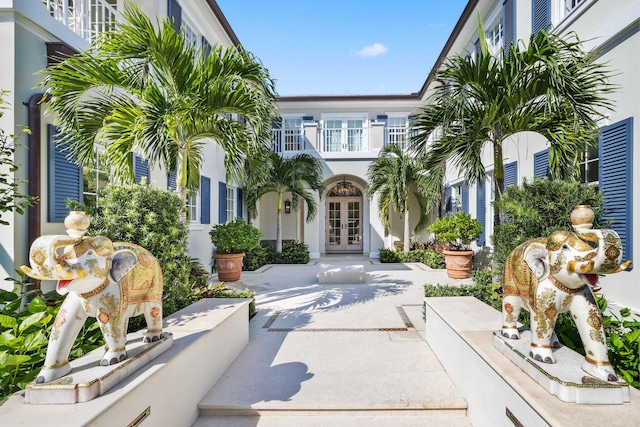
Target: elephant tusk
[[588, 267], [571, 266], [623, 266], [63, 274]]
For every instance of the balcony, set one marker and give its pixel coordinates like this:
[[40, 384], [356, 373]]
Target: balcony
[[87, 18], [396, 136]]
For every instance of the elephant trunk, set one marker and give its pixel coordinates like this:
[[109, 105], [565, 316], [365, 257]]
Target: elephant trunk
[[45, 256], [608, 259]]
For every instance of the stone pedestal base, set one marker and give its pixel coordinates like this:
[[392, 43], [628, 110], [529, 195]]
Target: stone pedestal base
[[564, 378], [89, 380]]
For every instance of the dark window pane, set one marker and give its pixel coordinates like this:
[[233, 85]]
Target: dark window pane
[[592, 168]]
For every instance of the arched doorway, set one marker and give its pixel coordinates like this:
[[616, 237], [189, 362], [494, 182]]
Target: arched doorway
[[343, 218]]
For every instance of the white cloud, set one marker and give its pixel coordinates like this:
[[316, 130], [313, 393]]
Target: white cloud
[[372, 50]]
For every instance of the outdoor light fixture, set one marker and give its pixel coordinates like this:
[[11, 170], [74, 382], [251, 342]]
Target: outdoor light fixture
[[346, 189], [287, 206]]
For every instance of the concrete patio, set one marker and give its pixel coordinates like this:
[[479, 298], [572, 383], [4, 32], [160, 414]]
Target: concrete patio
[[332, 354]]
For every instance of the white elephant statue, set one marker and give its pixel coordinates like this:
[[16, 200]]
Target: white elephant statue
[[106, 280], [553, 275]]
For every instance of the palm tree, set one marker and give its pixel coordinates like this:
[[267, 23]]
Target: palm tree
[[148, 89], [550, 87], [393, 175], [280, 175]]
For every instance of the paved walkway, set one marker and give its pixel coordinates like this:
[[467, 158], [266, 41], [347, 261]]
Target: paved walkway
[[336, 355]]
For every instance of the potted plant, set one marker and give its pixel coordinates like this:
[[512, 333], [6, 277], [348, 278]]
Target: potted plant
[[457, 231], [231, 241]]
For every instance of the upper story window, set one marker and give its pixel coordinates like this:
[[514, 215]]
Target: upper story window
[[589, 165], [397, 131], [95, 177], [456, 198], [344, 134], [87, 18], [495, 37], [288, 134], [569, 5], [192, 206], [231, 204]]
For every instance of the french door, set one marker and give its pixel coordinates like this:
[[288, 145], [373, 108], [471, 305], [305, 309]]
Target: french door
[[344, 224]]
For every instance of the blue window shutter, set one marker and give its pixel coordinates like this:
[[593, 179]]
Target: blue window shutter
[[448, 209], [171, 181], [465, 197], [510, 174], [616, 180], [541, 163], [307, 118], [222, 203], [141, 169], [509, 25], [65, 178], [174, 12], [239, 213], [540, 15], [481, 210], [205, 200]]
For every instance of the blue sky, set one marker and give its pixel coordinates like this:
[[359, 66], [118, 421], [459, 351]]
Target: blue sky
[[337, 47]]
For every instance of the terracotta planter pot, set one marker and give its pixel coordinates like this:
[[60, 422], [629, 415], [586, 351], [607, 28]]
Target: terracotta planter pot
[[229, 266], [458, 263]]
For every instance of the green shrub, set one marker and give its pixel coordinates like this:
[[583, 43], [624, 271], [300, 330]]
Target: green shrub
[[430, 257], [149, 217], [483, 289], [258, 256], [457, 230], [234, 237], [536, 209], [293, 252]]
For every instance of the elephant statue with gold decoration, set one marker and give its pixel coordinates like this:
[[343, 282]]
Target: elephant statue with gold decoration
[[556, 274], [110, 281]]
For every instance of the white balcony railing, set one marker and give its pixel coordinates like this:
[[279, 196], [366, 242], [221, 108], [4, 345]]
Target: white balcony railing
[[352, 139], [87, 18]]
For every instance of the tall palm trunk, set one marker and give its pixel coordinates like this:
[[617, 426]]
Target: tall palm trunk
[[181, 183], [498, 177], [279, 225], [405, 247]]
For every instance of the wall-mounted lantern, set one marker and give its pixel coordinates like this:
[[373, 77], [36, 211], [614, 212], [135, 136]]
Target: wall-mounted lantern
[[287, 206]]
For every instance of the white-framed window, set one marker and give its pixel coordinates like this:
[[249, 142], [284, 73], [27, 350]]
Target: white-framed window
[[342, 134], [292, 133], [192, 206], [397, 130], [95, 177], [589, 165], [456, 198], [231, 204], [495, 36], [191, 35]]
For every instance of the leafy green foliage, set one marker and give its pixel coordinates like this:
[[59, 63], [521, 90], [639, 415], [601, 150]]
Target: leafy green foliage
[[293, 252], [538, 208], [430, 257], [457, 230], [145, 86], [483, 289], [24, 336], [10, 196], [149, 217], [280, 175], [235, 237], [394, 176]]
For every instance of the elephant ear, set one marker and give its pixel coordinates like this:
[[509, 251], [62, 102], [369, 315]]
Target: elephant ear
[[537, 259], [122, 262]]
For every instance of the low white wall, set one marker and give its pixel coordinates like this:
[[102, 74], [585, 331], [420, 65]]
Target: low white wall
[[208, 336]]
